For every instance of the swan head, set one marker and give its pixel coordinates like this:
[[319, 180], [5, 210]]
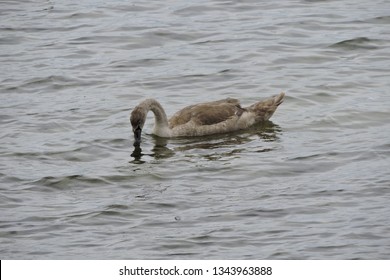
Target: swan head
[[137, 120]]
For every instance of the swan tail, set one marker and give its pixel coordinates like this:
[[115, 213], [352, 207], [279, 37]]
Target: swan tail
[[278, 99], [266, 108]]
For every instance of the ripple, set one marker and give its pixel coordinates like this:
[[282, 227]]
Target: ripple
[[380, 20], [357, 43], [64, 182], [265, 213]]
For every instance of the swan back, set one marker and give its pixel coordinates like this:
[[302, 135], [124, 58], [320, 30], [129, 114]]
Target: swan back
[[207, 113]]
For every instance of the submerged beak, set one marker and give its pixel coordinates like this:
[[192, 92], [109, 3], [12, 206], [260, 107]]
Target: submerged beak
[[137, 136]]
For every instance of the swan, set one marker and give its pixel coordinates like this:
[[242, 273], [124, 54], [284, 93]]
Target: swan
[[208, 118]]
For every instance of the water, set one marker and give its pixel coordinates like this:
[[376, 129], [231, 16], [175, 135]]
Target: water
[[313, 183]]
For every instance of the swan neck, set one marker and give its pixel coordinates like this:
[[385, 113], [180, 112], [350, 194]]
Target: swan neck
[[158, 111]]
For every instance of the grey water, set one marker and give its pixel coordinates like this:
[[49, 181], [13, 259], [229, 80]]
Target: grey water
[[312, 183]]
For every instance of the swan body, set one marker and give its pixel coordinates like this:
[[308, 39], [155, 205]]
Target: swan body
[[214, 117]]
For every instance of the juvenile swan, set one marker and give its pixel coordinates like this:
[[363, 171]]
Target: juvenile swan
[[220, 116]]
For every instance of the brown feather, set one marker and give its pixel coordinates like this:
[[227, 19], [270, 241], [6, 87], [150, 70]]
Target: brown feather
[[266, 108], [207, 113]]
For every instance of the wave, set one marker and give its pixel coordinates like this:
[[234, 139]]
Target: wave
[[357, 43]]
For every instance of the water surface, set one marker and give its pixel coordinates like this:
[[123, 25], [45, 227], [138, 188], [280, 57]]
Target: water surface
[[313, 183]]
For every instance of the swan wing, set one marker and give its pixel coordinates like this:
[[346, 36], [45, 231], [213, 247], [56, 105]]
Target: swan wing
[[207, 113]]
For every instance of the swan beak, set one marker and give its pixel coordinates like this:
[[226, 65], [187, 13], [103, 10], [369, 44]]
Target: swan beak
[[137, 136]]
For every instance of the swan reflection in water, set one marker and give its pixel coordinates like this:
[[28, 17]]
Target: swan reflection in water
[[266, 131], [159, 150]]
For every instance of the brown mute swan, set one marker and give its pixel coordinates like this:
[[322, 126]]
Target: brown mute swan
[[220, 116]]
